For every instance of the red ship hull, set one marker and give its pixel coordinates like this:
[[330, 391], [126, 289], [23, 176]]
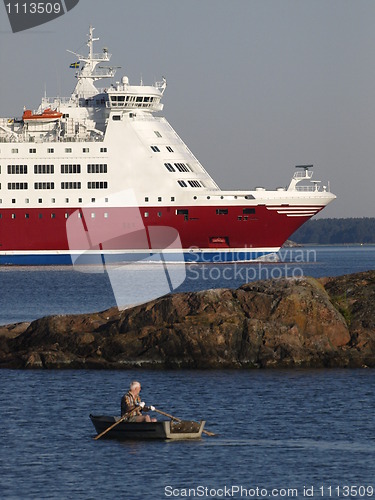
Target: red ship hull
[[26, 233]]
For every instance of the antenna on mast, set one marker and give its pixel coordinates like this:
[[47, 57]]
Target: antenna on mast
[[91, 41]]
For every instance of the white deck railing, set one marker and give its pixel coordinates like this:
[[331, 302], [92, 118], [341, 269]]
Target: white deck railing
[[307, 174], [307, 188]]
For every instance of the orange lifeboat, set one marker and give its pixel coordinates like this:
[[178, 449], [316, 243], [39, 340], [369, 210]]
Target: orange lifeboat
[[48, 115]]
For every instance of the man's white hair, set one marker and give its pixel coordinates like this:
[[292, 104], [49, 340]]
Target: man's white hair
[[134, 384]]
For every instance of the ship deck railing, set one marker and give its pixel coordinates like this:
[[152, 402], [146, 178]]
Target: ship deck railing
[[307, 188], [36, 140], [57, 100], [307, 174]]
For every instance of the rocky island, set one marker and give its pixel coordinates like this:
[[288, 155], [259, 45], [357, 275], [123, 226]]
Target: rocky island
[[305, 322]]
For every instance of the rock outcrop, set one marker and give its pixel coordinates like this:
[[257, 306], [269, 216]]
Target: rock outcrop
[[303, 322]]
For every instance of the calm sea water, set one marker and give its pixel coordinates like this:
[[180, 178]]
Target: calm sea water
[[276, 430], [28, 293], [279, 433]]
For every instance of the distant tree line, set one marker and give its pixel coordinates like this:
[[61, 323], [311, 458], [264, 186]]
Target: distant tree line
[[336, 231]]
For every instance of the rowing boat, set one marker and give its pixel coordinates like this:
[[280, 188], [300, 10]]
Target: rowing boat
[[167, 429]]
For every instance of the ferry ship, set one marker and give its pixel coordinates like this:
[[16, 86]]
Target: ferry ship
[[101, 176]]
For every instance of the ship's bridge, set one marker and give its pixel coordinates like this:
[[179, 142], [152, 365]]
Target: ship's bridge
[[147, 97]]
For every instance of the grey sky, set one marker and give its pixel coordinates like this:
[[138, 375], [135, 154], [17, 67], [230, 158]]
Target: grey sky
[[255, 87]]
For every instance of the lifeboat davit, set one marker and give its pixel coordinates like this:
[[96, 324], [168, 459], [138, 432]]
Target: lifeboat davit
[[48, 115]]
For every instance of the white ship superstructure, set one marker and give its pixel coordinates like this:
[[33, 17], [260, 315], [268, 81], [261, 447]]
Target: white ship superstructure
[[104, 163]]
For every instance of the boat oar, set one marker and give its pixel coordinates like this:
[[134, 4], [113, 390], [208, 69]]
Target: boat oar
[[179, 420], [116, 423]]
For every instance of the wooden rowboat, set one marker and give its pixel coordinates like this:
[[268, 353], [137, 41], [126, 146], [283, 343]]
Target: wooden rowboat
[[148, 430]]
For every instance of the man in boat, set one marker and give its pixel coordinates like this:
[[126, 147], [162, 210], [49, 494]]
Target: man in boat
[[131, 402]]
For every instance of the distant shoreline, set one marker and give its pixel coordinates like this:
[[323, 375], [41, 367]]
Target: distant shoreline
[[347, 231]]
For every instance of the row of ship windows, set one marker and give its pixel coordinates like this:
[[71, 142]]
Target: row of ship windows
[[129, 105], [194, 184], [53, 215], [184, 212], [132, 98], [51, 185], [156, 149], [53, 200], [97, 168], [92, 168], [219, 211], [52, 150], [181, 167], [121, 101], [90, 185]]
